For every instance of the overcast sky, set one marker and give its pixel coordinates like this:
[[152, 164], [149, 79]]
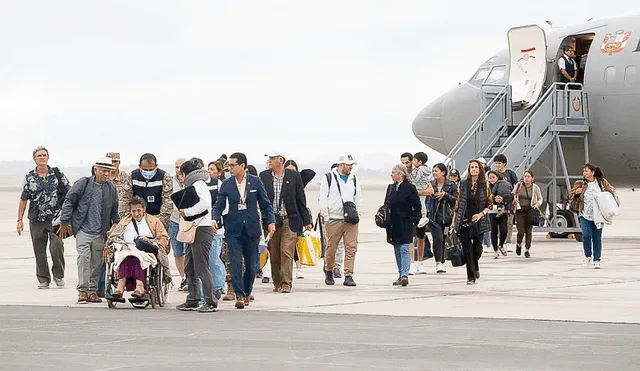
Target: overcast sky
[[311, 78]]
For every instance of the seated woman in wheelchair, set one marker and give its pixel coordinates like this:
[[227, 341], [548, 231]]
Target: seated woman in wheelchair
[[137, 242]]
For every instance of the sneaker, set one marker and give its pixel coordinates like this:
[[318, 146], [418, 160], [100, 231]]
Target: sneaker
[[526, 254], [404, 281], [420, 268], [440, 268], [217, 294], [586, 262], [208, 308], [503, 251], [299, 274], [93, 298], [508, 246], [183, 285], [336, 273], [423, 221], [596, 264], [82, 297], [518, 250], [43, 285], [348, 281], [471, 282], [59, 282], [265, 279], [485, 248], [188, 306], [413, 269], [496, 255], [328, 280]]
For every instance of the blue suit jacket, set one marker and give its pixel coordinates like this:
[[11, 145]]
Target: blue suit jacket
[[236, 220]]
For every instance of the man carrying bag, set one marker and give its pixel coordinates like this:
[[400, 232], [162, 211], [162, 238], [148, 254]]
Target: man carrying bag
[[340, 202]]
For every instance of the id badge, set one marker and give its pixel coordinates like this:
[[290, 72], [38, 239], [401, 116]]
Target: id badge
[[242, 207], [151, 199]]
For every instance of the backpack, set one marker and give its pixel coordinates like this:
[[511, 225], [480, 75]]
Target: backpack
[[62, 189], [383, 216]]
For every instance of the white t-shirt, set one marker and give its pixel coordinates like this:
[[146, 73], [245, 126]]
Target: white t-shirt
[[590, 199]]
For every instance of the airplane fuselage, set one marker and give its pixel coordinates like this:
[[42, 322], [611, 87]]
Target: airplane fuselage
[[610, 78]]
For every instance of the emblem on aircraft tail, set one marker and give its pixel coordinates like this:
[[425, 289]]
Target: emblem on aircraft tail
[[575, 104], [615, 42]]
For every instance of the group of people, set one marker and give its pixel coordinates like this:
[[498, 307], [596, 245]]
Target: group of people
[[479, 209], [214, 217]]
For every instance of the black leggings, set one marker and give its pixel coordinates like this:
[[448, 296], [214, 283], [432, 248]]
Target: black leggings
[[498, 224], [525, 229], [437, 233], [472, 245]]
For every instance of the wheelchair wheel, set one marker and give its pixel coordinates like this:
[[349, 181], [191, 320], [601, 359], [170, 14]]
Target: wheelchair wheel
[[142, 305], [162, 289], [153, 297]]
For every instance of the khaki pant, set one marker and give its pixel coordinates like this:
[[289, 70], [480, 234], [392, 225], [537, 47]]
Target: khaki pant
[[336, 230], [281, 248]]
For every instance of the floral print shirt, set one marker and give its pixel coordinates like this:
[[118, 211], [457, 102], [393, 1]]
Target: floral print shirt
[[42, 194]]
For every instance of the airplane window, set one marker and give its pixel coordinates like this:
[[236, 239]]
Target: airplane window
[[630, 74], [609, 74], [497, 75], [479, 77]]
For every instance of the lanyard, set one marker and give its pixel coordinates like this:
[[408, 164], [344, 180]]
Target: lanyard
[[243, 197]]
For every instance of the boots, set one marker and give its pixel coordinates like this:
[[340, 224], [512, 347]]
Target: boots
[[230, 296]]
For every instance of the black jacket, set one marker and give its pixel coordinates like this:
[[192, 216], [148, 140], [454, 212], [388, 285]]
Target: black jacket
[[404, 206], [502, 188], [293, 198], [486, 202], [441, 211]]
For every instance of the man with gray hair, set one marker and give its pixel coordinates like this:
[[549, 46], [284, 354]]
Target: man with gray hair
[[45, 188], [89, 211]]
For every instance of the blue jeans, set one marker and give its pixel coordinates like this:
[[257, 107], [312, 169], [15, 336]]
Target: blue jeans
[[243, 247], [178, 247], [591, 236], [487, 239], [216, 265], [403, 259], [102, 279]]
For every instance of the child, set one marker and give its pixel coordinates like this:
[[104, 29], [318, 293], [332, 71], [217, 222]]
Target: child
[[421, 178]]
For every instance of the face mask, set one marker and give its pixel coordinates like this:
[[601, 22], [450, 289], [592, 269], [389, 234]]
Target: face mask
[[148, 174]]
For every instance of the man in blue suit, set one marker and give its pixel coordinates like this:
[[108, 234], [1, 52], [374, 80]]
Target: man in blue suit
[[245, 193]]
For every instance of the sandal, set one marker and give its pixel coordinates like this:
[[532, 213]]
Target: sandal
[[117, 293], [138, 293]]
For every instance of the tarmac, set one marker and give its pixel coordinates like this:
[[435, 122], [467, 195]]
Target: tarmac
[[542, 313]]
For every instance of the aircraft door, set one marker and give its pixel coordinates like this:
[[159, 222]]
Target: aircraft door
[[527, 63]]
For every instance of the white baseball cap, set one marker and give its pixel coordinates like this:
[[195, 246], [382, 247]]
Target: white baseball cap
[[482, 159], [276, 154], [347, 160]]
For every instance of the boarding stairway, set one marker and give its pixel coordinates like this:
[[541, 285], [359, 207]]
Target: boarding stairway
[[562, 111]]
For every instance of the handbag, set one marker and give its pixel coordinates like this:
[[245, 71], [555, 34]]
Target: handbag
[[142, 244], [349, 208], [383, 217], [186, 232], [535, 217], [453, 250]]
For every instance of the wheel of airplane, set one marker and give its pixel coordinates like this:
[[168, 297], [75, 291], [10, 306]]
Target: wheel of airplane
[[563, 220]]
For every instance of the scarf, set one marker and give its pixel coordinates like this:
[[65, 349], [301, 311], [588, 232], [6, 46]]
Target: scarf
[[195, 176]]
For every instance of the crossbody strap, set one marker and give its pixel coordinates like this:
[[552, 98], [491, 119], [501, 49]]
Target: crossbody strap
[[135, 226]]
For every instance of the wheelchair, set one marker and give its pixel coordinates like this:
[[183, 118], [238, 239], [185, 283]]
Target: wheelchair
[[156, 289]]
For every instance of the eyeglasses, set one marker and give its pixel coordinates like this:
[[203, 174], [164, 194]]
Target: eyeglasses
[[233, 165]]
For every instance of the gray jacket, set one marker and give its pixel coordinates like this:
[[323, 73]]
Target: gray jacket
[[76, 205]]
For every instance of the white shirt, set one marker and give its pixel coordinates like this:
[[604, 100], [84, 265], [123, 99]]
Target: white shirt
[[590, 199], [562, 64], [203, 205], [242, 188]]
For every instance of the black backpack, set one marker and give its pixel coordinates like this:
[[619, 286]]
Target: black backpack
[[350, 210], [383, 216]]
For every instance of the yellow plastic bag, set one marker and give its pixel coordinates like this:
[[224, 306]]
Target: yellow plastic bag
[[264, 257], [309, 248]]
